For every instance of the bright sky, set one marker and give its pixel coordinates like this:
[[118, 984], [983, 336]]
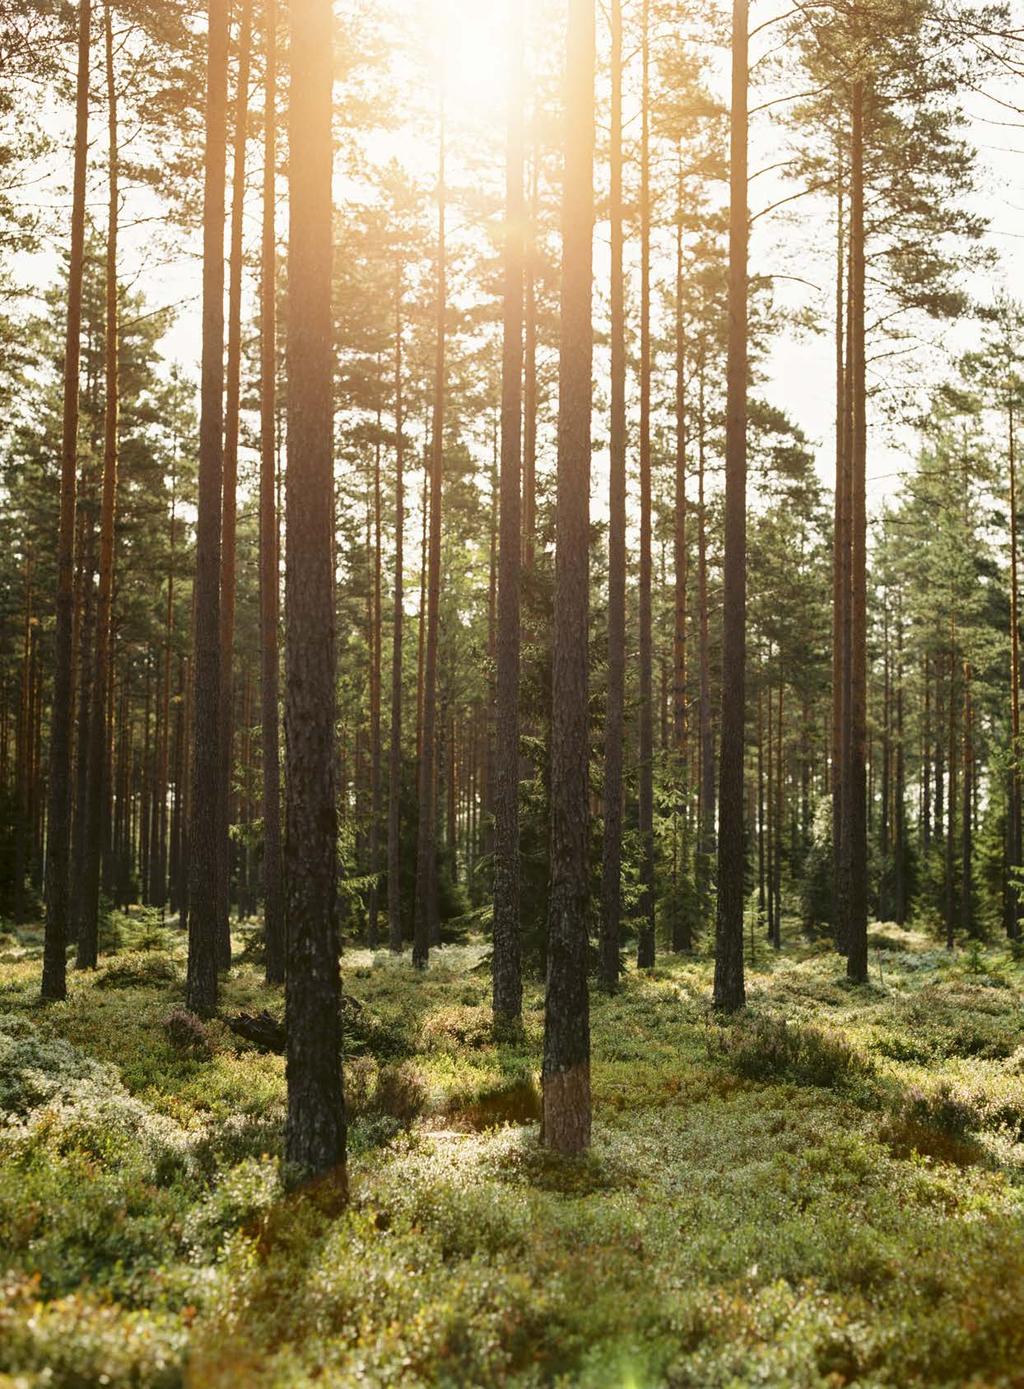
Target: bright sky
[[799, 369]]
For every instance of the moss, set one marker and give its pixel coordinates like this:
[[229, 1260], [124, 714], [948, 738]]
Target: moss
[[828, 1190]]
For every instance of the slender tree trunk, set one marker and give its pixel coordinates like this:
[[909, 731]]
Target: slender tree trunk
[[967, 812], [395, 750], [566, 1070], [58, 843], [729, 990], [373, 896], [201, 990], [228, 564], [315, 1132], [614, 725], [426, 875], [706, 837], [840, 584], [681, 935], [507, 996], [273, 886], [857, 956], [1015, 743], [646, 934], [88, 941], [951, 796]]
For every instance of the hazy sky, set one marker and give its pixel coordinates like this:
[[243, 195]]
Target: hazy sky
[[798, 242]]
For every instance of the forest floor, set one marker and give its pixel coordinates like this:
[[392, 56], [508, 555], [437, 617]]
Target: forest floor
[[827, 1190]]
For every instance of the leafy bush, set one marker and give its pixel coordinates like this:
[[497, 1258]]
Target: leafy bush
[[769, 1048]]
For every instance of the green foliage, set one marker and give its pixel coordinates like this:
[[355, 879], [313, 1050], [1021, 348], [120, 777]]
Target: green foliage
[[830, 1185]]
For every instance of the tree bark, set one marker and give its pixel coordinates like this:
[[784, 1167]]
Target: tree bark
[[566, 1069], [201, 988], [729, 989], [507, 998], [229, 520], [645, 816], [856, 813], [315, 1132], [426, 873], [273, 886], [58, 842], [88, 940], [614, 724], [395, 750]]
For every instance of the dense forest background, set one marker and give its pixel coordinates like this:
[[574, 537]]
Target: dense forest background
[[522, 500]]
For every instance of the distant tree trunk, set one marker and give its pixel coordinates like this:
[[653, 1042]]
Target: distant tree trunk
[[780, 790], [88, 941], [373, 895], [840, 587], [566, 1071], [967, 812], [230, 487], [426, 873], [201, 988], [507, 999], [681, 934], [273, 887], [1015, 855], [729, 991], [315, 1132], [856, 813], [614, 724], [530, 366], [951, 798], [58, 843], [706, 797], [646, 933], [899, 794], [395, 750]]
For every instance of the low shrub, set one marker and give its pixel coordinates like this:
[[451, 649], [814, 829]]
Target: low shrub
[[187, 1033], [770, 1048]]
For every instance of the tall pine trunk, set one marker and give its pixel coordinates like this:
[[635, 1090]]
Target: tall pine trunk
[[856, 802], [203, 822], [425, 906], [507, 969], [273, 886], [58, 829], [95, 819], [729, 990], [645, 939], [315, 1132], [395, 750], [614, 724], [566, 1070]]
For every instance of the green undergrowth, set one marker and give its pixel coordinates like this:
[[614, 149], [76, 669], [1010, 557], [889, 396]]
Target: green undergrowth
[[827, 1189]]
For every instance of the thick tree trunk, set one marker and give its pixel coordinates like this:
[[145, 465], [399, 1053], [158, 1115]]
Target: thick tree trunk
[[507, 996], [315, 1132], [273, 886], [58, 838], [729, 989], [614, 724], [566, 1069], [203, 824]]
